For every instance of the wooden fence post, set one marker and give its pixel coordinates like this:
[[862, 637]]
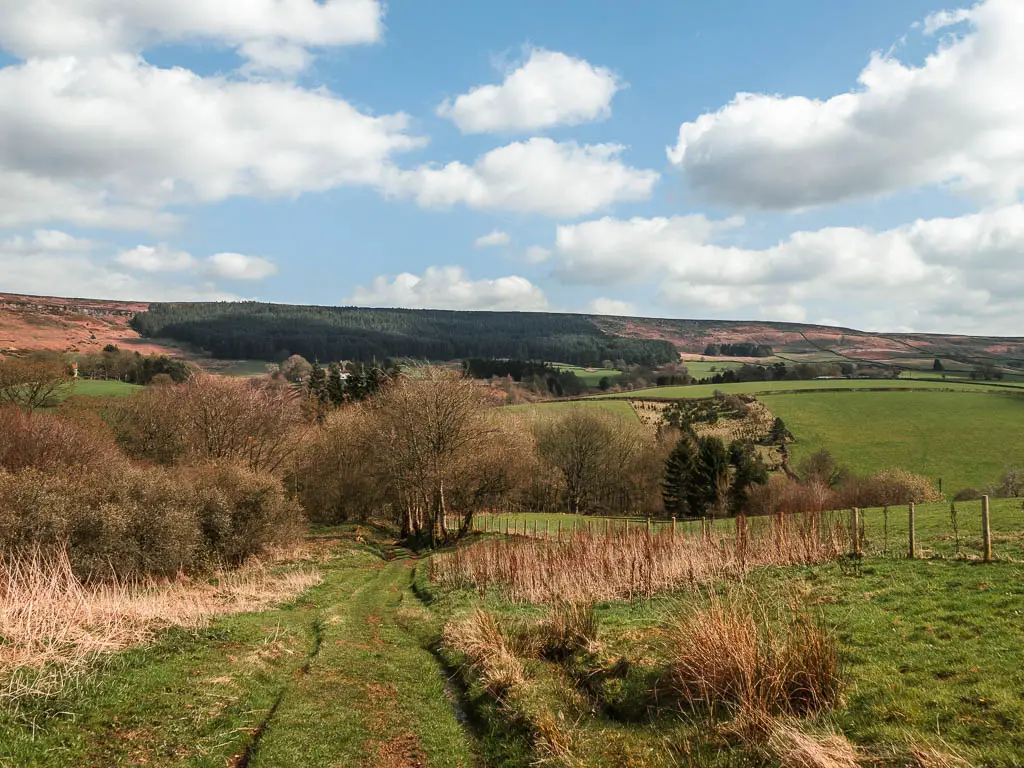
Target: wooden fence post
[[855, 531], [535, 528], [648, 526], [673, 526], [913, 534], [986, 531], [559, 529], [547, 528]]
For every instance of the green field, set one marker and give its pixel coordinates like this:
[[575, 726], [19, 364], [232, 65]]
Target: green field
[[766, 387], [103, 388], [618, 407], [965, 438], [241, 368], [703, 369], [590, 377]]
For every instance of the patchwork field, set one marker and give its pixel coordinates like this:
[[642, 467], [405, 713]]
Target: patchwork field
[[962, 437]]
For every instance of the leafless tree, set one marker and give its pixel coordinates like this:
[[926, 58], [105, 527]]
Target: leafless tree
[[33, 383]]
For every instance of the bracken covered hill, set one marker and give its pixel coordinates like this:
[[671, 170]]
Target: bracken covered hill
[[247, 329], [70, 325]]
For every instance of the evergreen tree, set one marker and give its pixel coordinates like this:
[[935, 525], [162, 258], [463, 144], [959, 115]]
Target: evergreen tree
[[937, 365], [779, 434], [710, 487], [356, 388], [316, 385], [335, 385], [677, 486], [749, 469]]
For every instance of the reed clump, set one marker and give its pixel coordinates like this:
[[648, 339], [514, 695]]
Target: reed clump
[[620, 565]]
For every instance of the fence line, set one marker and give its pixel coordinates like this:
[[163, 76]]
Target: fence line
[[869, 530]]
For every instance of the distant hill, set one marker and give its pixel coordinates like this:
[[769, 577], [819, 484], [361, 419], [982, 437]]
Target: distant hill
[[251, 330]]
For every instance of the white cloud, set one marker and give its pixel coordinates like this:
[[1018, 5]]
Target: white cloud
[[642, 246], [942, 275], [228, 266], [957, 119], [535, 176], [115, 135], [537, 254], [155, 258], [492, 239], [237, 266], [605, 306], [943, 19], [41, 28], [449, 288], [548, 89], [54, 263], [47, 240]]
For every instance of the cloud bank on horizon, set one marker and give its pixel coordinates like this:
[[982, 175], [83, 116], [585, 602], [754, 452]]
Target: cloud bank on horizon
[[186, 150]]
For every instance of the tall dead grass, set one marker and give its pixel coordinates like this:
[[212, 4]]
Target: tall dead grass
[[54, 627], [753, 660], [632, 564]]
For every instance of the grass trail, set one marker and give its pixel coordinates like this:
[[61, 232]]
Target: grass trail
[[373, 695], [332, 678]]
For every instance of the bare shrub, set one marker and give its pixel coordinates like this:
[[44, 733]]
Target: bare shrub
[[783, 495], [52, 443], [889, 487], [136, 522], [53, 626], [741, 656], [479, 638], [32, 383], [254, 421], [241, 513], [629, 564]]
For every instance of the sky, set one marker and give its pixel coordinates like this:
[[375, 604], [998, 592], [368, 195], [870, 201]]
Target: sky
[[856, 164]]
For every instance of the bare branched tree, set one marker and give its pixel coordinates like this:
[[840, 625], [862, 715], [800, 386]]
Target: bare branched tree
[[33, 383]]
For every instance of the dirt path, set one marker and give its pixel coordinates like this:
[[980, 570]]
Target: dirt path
[[371, 694]]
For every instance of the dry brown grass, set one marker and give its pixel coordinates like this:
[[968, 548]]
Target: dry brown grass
[[795, 748], [479, 638], [931, 756], [753, 661], [53, 626], [586, 567]]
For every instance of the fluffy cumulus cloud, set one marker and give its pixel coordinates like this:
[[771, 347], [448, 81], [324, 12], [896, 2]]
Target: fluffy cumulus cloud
[[548, 89], [269, 32], [84, 139], [493, 239], [945, 275], [155, 258], [449, 288], [605, 306], [227, 266], [51, 262], [238, 266], [957, 120], [535, 176]]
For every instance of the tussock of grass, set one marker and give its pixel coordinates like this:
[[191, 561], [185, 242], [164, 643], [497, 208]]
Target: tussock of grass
[[479, 638], [739, 656], [633, 564], [53, 626]]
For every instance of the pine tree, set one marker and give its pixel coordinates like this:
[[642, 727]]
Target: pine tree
[[710, 476], [676, 487], [335, 385], [749, 469], [316, 386]]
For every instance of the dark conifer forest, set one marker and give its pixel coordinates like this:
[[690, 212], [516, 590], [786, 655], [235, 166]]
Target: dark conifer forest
[[253, 330]]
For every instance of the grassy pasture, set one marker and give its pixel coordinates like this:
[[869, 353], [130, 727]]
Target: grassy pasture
[[925, 647], [963, 437], [589, 377], [767, 387], [103, 388], [618, 407]]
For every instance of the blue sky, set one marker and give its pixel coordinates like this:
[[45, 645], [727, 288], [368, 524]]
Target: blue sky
[[300, 152]]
